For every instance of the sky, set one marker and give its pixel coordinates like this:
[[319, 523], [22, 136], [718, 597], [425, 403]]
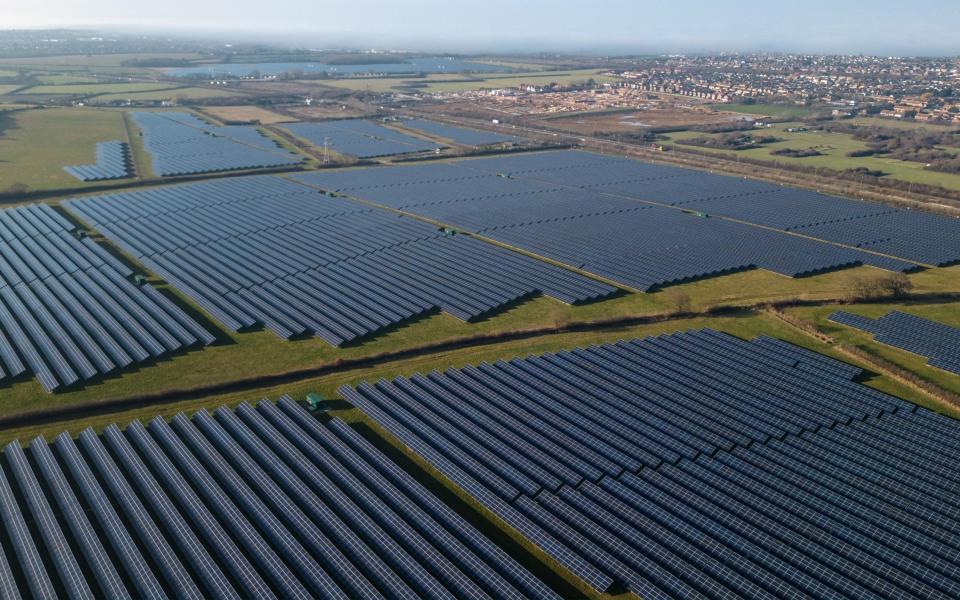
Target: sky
[[882, 27]]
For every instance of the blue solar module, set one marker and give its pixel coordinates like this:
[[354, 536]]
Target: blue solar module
[[113, 162], [621, 219], [787, 479], [459, 135], [182, 144], [359, 138], [67, 311], [938, 342], [267, 250], [206, 508]]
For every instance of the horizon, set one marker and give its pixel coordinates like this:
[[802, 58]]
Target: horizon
[[923, 28]]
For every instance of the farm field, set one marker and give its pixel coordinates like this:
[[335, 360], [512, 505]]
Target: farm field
[[513, 80], [39, 143], [766, 110], [6, 88], [834, 148], [94, 60], [169, 94], [631, 121], [246, 114], [97, 88], [65, 78]]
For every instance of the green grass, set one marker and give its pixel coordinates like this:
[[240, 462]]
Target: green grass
[[767, 110], [96, 88], [169, 94], [513, 80], [41, 142], [5, 73], [898, 124], [834, 148], [948, 313], [91, 60], [261, 353], [745, 326], [7, 88], [64, 78]]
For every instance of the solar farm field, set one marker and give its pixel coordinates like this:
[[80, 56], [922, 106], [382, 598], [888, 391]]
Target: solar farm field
[[180, 143], [359, 138], [939, 343], [693, 465], [645, 225], [37, 144], [113, 162], [261, 502], [458, 135], [68, 312], [224, 244]]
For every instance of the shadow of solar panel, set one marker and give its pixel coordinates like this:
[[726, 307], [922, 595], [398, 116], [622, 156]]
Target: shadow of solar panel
[[269, 251], [113, 162], [67, 312], [765, 470], [938, 342], [263, 502]]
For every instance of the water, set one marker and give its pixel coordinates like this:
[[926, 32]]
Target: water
[[436, 64]]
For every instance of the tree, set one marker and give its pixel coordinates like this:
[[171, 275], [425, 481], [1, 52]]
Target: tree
[[897, 285], [680, 301]]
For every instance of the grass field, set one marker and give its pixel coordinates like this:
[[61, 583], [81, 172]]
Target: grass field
[[65, 78], [169, 94], [7, 73], [948, 313], [246, 113], [767, 110], [261, 353], [41, 142], [7, 88], [746, 326], [898, 124], [92, 60], [834, 148], [91, 89], [502, 80]]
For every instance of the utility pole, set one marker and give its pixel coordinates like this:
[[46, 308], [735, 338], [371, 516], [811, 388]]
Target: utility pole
[[326, 149]]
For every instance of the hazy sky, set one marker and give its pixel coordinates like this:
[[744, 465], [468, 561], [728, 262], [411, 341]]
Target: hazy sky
[[874, 26]]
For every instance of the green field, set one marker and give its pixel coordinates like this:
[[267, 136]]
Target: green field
[[37, 146], [834, 148], [261, 353], [169, 94], [64, 78], [7, 88], [767, 110], [91, 60], [97, 88]]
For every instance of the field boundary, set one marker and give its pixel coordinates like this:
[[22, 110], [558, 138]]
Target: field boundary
[[86, 409]]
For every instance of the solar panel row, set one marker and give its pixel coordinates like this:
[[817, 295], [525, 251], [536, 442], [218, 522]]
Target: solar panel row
[[113, 162], [181, 144], [696, 465], [266, 250], [67, 311], [938, 342], [264, 502], [459, 135], [583, 210], [359, 138]]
